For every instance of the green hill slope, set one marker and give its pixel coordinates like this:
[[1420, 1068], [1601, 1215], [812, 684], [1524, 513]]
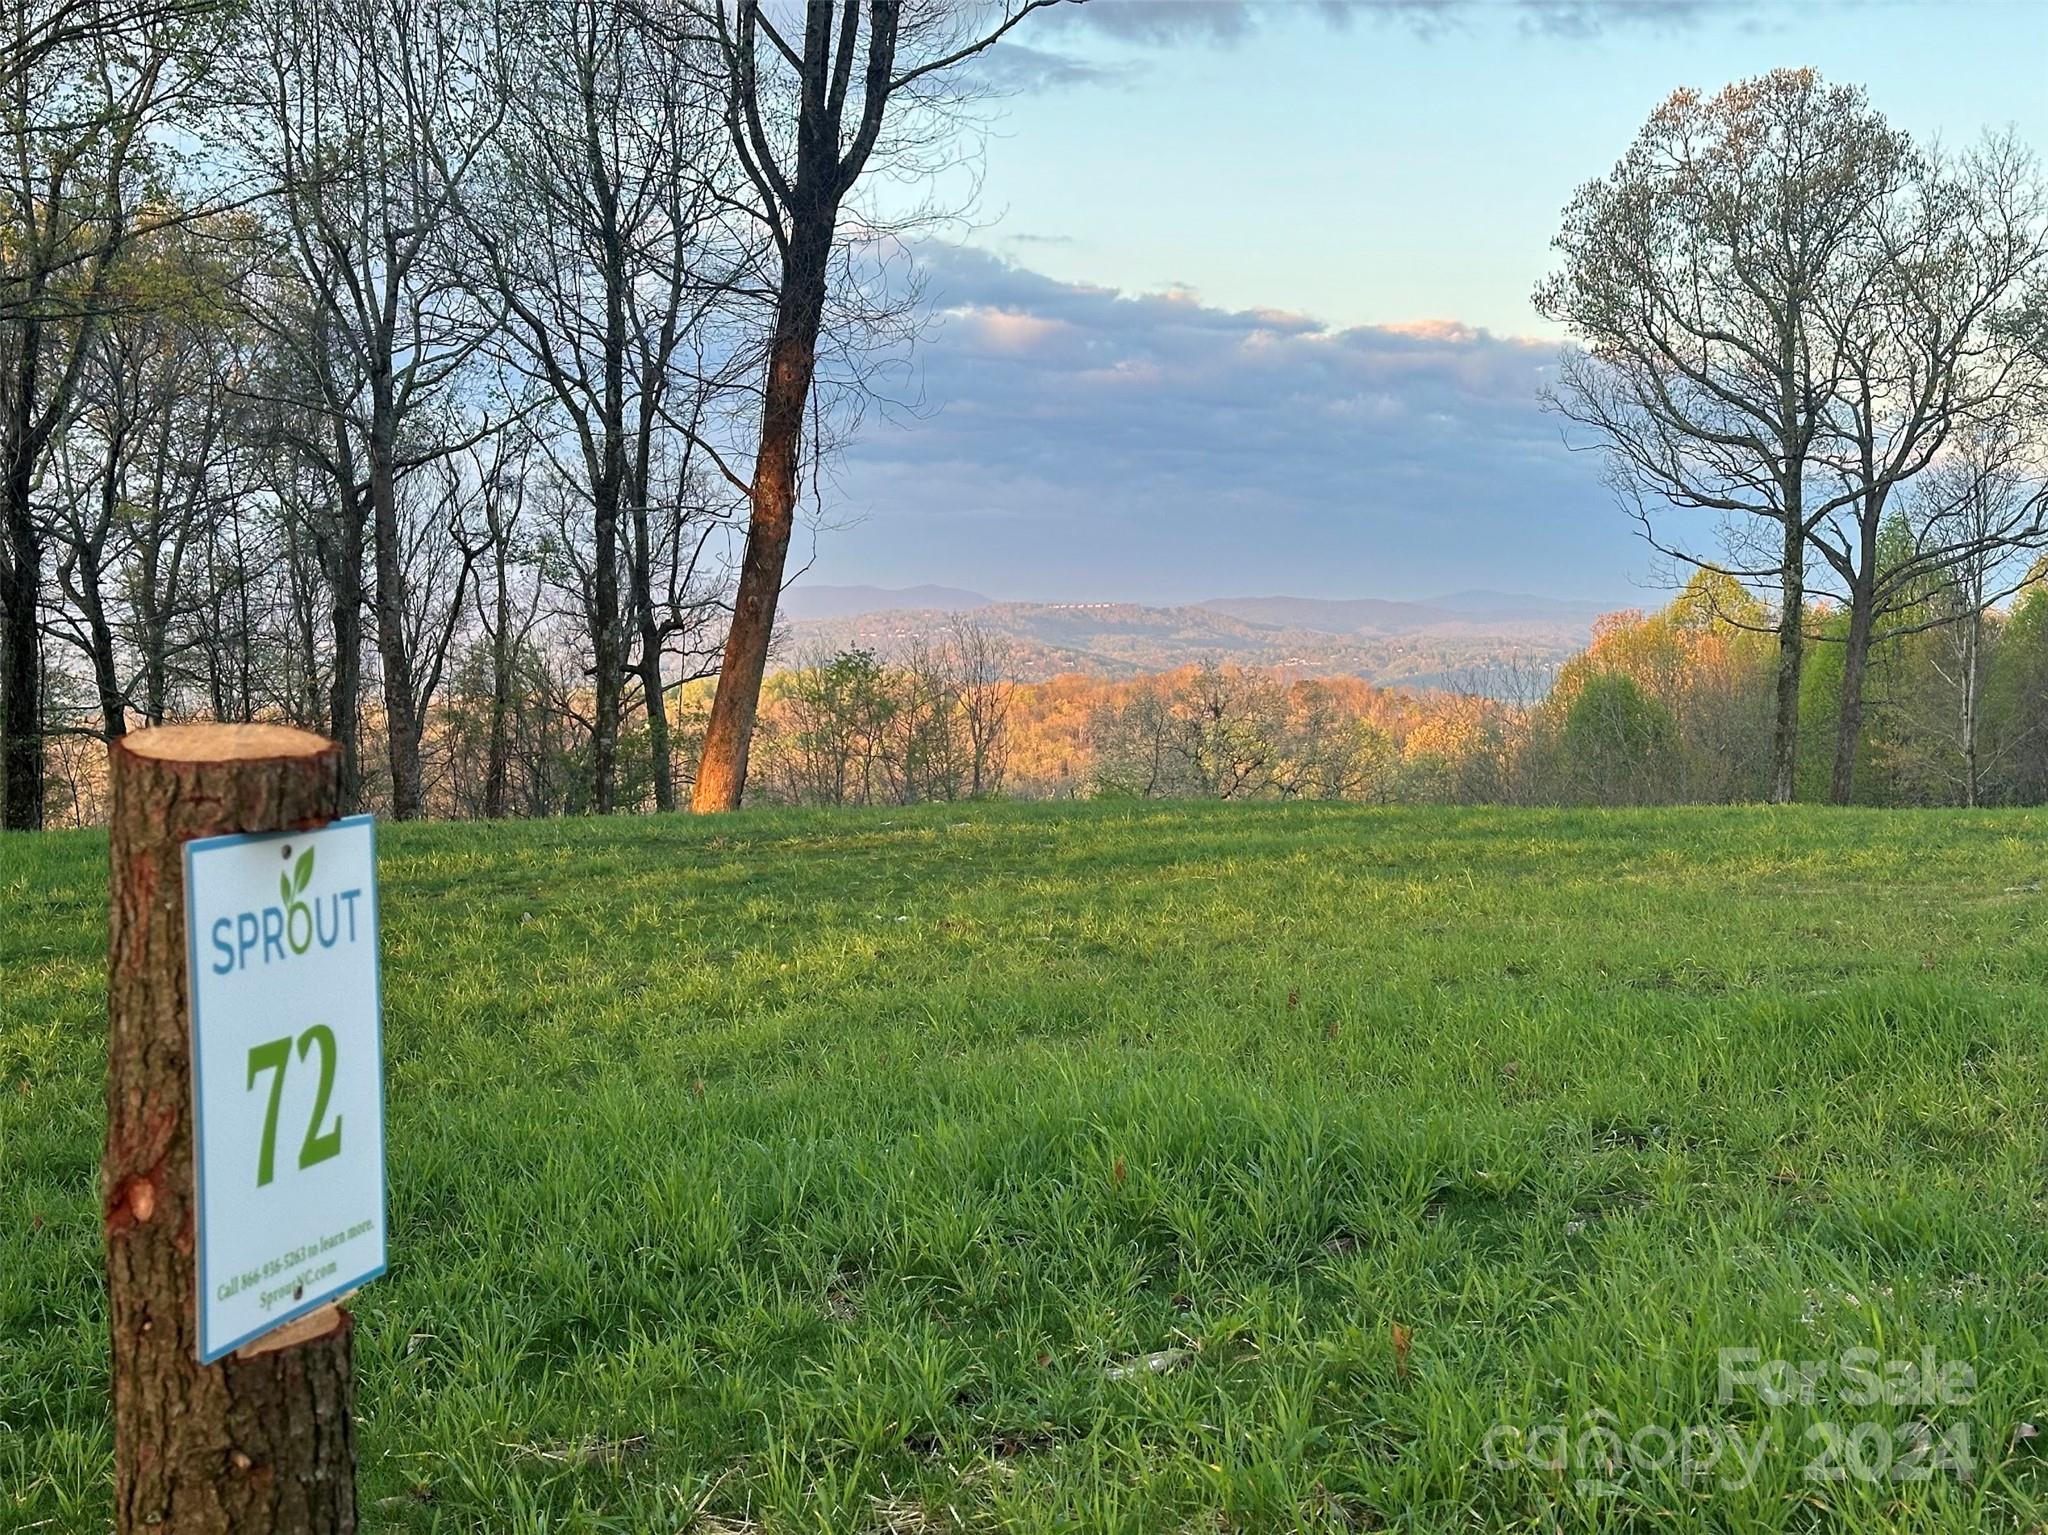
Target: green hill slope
[[1119, 1168]]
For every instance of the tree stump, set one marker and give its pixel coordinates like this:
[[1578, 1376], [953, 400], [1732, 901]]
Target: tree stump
[[260, 1441]]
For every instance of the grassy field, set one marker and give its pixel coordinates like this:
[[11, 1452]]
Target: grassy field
[[1117, 1168]]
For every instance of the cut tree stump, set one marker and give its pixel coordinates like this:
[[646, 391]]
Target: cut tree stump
[[262, 1441]]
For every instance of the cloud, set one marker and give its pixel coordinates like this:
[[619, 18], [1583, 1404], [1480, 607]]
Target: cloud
[[1161, 21], [1578, 19], [1164, 22], [1079, 441], [1011, 67], [1016, 67]]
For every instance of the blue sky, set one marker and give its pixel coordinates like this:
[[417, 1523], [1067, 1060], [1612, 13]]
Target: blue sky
[[1244, 304]]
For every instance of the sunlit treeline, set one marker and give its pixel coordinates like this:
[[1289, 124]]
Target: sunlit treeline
[[1674, 706]]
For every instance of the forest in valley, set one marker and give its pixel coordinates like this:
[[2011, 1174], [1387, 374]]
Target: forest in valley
[[1667, 707]]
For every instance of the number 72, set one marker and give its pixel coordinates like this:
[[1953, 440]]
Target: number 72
[[276, 1056]]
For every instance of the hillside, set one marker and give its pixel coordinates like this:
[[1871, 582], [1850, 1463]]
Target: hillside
[[808, 600], [1416, 645], [1192, 1167]]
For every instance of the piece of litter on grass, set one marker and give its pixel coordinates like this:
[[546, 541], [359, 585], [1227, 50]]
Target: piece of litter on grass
[[588, 1452], [1149, 1364]]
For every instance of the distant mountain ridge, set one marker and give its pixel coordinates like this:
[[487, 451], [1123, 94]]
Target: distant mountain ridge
[[1379, 615], [805, 602], [1467, 640]]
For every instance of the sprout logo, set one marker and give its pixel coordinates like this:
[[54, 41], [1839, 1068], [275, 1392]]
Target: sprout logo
[[290, 887], [275, 934]]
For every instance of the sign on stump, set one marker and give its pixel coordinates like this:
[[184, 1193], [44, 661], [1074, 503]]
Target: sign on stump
[[288, 1085], [243, 1175]]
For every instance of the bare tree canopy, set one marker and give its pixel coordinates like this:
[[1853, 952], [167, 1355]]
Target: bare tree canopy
[[1784, 309]]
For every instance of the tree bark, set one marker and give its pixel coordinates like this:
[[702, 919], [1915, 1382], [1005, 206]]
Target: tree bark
[[607, 653], [1855, 669], [1791, 654], [655, 691], [87, 564], [345, 687], [259, 1442], [1973, 650], [344, 556], [394, 650], [607, 494], [652, 687], [21, 646], [498, 767], [729, 733], [153, 630], [105, 674]]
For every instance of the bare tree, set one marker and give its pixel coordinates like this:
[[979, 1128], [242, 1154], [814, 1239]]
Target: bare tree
[[366, 116], [605, 226], [979, 665], [805, 117], [1697, 275], [1924, 348], [1972, 499], [86, 90]]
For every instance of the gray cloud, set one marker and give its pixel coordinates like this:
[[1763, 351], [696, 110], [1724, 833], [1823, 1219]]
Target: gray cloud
[[1224, 23], [1083, 442], [1011, 67], [1160, 22], [1587, 18]]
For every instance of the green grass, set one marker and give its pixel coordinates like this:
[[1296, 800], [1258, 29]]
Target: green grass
[[815, 1172]]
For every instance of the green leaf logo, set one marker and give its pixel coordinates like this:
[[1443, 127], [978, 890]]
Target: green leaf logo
[[284, 888], [302, 874]]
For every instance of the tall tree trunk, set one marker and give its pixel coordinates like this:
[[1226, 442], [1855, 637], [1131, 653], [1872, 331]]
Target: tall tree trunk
[[260, 1443], [608, 645], [394, 653], [659, 755], [156, 670], [89, 562], [792, 360], [607, 649], [153, 634], [1862, 626], [1973, 650], [21, 590], [105, 676], [308, 706], [1791, 654], [652, 688], [345, 687], [21, 644], [498, 767], [1855, 668]]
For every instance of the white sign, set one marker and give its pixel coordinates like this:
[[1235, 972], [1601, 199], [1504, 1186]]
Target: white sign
[[287, 1075]]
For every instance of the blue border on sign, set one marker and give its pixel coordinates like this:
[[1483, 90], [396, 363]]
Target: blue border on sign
[[207, 1353]]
